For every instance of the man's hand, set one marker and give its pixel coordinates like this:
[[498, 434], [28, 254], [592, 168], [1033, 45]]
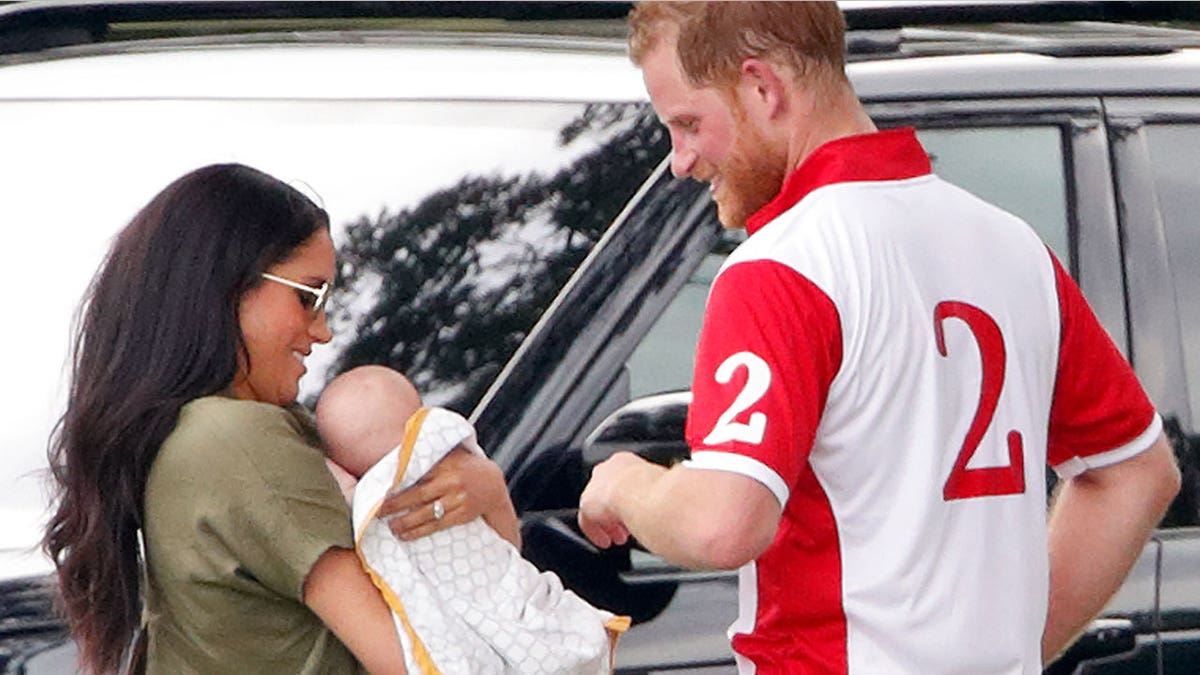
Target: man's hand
[[598, 515]]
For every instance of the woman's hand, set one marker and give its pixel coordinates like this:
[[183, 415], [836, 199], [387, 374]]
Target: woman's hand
[[467, 486]]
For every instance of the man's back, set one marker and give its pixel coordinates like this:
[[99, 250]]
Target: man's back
[[898, 411], [917, 330]]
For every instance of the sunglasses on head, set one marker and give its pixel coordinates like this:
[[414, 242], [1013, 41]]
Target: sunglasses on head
[[311, 298]]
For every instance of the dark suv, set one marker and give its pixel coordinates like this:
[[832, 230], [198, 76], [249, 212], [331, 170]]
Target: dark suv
[[510, 235]]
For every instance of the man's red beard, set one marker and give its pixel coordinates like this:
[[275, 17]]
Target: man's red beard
[[751, 175]]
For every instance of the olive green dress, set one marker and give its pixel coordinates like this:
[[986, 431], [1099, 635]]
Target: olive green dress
[[239, 506]]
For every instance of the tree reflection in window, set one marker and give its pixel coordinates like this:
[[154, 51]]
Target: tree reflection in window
[[447, 290]]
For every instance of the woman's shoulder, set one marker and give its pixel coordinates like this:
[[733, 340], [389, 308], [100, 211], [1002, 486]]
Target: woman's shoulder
[[235, 411], [234, 429], [240, 485], [221, 416]]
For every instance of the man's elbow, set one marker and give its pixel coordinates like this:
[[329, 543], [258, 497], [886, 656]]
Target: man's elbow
[[1170, 483], [729, 554], [735, 544], [1162, 479], [731, 519]]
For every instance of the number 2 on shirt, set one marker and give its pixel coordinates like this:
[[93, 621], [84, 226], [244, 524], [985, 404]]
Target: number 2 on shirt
[[758, 381], [964, 483]]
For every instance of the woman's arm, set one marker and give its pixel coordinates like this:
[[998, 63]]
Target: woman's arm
[[340, 593], [468, 485]]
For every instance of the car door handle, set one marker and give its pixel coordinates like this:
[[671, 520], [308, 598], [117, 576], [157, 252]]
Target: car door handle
[[679, 575], [647, 568]]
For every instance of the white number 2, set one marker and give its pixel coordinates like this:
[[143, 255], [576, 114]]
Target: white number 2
[[758, 380]]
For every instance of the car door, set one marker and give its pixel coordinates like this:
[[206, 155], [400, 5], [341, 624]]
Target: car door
[[1156, 155]]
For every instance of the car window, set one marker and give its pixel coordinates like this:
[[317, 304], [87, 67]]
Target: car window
[[456, 224], [663, 360], [1175, 162], [445, 287], [1020, 169]]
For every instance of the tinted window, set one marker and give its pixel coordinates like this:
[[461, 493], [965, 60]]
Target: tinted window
[[1175, 158], [663, 360], [1175, 155], [1019, 169], [446, 287]]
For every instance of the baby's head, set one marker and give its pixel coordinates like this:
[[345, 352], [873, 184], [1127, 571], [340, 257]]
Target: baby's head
[[361, 415]]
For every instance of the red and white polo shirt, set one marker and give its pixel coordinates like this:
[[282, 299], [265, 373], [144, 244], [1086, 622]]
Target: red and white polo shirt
[[898, 361]]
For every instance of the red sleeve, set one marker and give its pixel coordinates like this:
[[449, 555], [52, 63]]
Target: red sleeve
[[770, 347], [1099, 405]]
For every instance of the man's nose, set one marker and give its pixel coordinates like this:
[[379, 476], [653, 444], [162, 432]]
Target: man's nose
[[682, 162]]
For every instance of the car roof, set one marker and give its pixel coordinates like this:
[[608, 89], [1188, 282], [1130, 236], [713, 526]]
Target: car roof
[[876, 29], [395, 67], [536, 51], [498, 68], [1026, 75]]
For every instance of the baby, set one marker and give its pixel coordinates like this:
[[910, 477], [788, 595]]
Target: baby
[[361, 416], [463, 599]]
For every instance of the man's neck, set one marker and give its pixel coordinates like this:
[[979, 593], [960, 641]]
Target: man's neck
[[824, 118]]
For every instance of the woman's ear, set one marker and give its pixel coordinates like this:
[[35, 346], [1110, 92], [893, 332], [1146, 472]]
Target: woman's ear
[[762, 88]]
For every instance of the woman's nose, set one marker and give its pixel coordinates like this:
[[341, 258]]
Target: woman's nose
[[319, 329]]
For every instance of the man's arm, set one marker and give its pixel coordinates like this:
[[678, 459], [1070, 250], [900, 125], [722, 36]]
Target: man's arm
[[697, 518], [1100, 521]]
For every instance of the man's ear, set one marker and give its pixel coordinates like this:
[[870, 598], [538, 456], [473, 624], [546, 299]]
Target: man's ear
[[762, 88]]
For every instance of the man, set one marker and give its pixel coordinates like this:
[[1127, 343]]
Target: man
[[887, 365]]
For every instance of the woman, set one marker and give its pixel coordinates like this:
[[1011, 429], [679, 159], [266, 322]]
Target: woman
[[180, 424]]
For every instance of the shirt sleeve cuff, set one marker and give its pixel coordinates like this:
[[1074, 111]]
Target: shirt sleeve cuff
[[1077, 465], [747, 466]]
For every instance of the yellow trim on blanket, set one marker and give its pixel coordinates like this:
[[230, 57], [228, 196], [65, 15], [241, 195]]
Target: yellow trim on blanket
[[420, 654], [618, 624], [615, 627], [412, 429]]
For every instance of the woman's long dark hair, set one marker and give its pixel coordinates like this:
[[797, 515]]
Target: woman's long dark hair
[[158, 328]]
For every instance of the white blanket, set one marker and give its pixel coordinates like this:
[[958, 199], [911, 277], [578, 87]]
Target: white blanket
[[463, 599]]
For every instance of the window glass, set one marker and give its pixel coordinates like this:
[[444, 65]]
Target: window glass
[[1019, 169], [1176, 164], [664, 358], [456, 224], [1175, 161], [446, 286]]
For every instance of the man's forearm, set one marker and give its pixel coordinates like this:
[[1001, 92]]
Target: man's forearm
[[666, 517], [695, 518], [1098, 527]]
